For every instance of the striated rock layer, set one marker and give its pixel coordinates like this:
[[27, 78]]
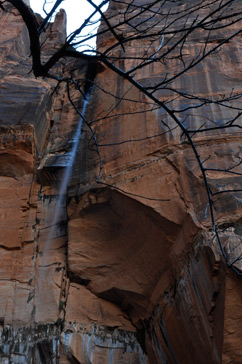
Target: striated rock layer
[[35, 288], [130, 272]]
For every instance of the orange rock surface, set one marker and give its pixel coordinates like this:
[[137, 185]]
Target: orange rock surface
[[129, 273]]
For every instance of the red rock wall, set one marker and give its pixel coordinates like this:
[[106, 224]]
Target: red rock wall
[[35, 289], [127, 269]]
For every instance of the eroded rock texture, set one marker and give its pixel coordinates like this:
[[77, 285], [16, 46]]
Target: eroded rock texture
[[35, 289], [129, 271]]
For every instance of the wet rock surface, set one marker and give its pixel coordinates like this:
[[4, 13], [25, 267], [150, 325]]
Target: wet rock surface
[[30, 344]]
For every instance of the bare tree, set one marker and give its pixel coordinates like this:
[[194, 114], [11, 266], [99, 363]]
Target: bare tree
[[165, 30]]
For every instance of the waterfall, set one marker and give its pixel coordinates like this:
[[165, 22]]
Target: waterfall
[[69, 159], [56, 213]]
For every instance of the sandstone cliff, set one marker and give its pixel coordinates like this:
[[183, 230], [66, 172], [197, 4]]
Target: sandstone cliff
[[130, 272]]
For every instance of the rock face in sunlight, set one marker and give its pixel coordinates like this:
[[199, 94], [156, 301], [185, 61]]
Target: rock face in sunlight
[[131, 273]]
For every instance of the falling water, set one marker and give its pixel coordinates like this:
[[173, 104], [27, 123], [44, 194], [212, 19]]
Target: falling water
[[68, 160], [43, 296]]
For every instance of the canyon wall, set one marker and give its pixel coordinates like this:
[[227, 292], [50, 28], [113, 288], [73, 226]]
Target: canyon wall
[[130, 272]]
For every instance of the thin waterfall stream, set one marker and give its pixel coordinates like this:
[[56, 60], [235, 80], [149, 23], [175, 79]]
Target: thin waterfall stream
[[53, 242], [69, 158]]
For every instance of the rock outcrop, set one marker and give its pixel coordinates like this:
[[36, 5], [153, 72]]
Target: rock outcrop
[[129, 271]]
